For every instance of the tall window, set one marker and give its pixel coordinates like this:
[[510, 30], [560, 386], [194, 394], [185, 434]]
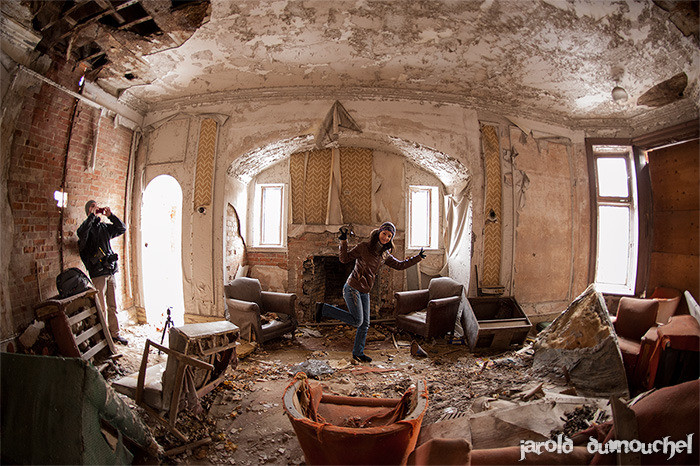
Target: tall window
[[269, 219], [423, 217], [616, 204]]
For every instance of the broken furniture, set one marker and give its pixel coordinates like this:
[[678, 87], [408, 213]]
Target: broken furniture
[[198, 357], [670, 413], [670, 353], [247, 304], [581, 347], [62, 411], [429, 313], [77, 324], [354, 430], [494, 322], [634, 318]]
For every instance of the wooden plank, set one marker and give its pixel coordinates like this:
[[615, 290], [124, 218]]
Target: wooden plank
[[81, 316], [135, 22], [625, 425], [94, 350], [497, 325], [88, 333]]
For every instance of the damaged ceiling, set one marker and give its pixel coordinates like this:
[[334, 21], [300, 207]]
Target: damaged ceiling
[[552, 60]]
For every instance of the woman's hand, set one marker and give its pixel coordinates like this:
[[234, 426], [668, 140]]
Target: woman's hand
[[421, 253], [343, 234]]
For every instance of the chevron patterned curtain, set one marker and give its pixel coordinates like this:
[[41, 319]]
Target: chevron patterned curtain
[[310, 175], [492, 205], [204, 171], [356, 181]]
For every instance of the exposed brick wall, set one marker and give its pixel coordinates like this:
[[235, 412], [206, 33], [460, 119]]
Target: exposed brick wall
[[36, 170], [278, 259]]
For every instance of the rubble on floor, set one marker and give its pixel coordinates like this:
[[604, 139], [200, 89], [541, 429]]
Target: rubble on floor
[[245, 419], [581, 346]]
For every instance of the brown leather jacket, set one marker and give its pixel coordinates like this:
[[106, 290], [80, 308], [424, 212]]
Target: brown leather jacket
[[367, 263]]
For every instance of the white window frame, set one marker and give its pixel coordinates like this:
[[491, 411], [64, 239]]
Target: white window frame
[[259, 217], [433, 218], [630, 202]]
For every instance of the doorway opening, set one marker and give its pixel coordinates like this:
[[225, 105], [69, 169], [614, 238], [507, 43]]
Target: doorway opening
[[161, 251]]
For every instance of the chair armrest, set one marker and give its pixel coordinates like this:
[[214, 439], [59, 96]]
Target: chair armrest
[[443, 302], [410, 301], [238, 306], [282, 303]]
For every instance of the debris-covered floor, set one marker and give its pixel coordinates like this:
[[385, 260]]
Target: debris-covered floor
[[244, 415]]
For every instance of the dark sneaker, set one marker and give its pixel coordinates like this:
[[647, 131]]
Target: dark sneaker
[[121, 340], [318, 315], [362, 358]]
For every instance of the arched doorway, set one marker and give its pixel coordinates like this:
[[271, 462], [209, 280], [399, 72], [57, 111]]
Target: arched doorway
[[161, 250]]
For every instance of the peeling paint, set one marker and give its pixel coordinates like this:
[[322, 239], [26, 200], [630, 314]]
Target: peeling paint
[[551, 60]]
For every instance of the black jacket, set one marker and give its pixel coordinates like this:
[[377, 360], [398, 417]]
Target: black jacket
[[93, 240]]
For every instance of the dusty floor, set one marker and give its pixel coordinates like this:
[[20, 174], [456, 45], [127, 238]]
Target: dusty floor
[[244, 416]]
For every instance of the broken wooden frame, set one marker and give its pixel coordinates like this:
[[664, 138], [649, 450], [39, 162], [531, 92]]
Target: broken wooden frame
[[159, 388], [174, 405]]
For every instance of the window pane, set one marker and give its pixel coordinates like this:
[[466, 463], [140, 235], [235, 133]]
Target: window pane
[[420, 218], [612, 177], [271, 220], [613, 244]]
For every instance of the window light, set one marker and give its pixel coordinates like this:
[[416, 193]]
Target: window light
[[61, 198]]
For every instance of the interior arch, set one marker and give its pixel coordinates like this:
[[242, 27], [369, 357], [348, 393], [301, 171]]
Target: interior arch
[[450, 171]]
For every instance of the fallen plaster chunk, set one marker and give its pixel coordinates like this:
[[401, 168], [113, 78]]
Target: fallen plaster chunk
[[582, 345]]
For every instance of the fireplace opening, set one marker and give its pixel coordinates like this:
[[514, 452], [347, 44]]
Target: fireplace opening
[[324, 278]]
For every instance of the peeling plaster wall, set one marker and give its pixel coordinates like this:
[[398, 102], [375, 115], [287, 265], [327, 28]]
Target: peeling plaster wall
[[172, 150], [552, 219], [272, 129]]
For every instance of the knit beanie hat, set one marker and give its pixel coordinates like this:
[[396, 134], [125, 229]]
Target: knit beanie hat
[[87, 206], [389, 227]]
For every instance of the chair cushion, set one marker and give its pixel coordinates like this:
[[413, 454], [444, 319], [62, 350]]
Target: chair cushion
[[413, 322], [443, 287], [635, 316], [245, 289], [152, 386]]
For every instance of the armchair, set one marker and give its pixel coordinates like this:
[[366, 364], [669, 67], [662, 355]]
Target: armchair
[[429, 313], [669, 299], [634, 318], [247, 303]]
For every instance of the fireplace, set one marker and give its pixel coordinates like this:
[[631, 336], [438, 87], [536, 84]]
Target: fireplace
[[317, 275], [326, 279]]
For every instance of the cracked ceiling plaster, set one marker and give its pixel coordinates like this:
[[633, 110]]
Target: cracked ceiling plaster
[[555, 60]]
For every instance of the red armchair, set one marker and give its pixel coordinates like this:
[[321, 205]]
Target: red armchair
[[634, 318], [429, 313]]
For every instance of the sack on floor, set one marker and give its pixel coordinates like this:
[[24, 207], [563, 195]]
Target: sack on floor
[[71, 282]]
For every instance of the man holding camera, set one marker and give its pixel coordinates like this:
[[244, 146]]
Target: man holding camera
[[94, 238]]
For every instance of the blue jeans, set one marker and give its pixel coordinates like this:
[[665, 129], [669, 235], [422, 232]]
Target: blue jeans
[[358, 315]]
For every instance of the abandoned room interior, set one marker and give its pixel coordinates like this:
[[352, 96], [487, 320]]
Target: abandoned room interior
[[542, 155]]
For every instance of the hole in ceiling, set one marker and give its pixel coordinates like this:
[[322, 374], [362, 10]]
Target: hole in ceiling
[[129, 76]]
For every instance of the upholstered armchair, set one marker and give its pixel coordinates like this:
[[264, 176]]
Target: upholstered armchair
[[429, 313], [261, 315], [669, 299], [634, 318]]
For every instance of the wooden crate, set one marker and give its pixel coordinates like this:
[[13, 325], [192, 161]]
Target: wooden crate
[[494, 322]]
